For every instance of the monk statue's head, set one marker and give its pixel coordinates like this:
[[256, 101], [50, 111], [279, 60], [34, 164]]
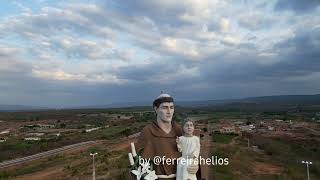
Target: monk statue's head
[[164, 107]]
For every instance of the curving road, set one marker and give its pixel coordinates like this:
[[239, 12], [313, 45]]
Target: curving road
[[43, 154]]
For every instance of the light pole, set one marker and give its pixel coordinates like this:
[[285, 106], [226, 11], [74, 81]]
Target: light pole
[[93, 169], [307, 164]]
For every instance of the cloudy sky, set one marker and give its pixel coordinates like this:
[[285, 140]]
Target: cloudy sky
[[74, 53]]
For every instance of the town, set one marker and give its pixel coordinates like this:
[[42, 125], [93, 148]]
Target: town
[[264, 133]]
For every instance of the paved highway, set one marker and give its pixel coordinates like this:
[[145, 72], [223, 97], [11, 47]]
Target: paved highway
[[43, 154]]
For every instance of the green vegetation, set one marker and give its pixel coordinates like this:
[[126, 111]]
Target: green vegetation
[[112, 164], [277, 158], [111, 129], [145, 117], [4, 175], [223, 138], [54, 160]]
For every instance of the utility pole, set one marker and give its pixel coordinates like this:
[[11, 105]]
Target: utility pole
[[93, 168], [307, 164]]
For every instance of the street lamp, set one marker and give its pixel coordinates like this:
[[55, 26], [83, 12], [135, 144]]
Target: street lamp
[[307, 164], [93, 169]]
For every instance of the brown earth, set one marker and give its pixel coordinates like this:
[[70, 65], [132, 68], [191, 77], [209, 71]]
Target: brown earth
[[264, 168], [49, 174], [57, 172], [205, 152]]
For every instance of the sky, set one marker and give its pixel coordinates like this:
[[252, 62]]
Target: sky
[[95, 52]]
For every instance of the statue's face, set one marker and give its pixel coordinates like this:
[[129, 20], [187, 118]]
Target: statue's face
[[165, 111], [188, 128]]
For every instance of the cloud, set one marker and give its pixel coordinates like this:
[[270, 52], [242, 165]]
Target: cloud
[[255, 20], [159, 10], [90, 53], [83, 48], [64, 76], [183, 47], [297, 5], [7, 51], [224, 25]]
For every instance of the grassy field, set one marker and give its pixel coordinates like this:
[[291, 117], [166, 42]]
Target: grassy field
[[79, 164], [223, 138], [276, 159]]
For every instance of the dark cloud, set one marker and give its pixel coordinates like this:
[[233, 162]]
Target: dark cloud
[[303, 47], [299, 6], [188, 58], [140, 73], [255, 21], [156, 10]]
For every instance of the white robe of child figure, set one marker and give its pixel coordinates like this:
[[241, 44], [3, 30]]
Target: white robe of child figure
[[190, 148]]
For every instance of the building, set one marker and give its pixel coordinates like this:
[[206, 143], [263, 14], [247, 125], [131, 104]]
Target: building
[[227, 129], [270, 128], [238, 123], [32, 139], [39, 126], [5, 132], [93, 129], [46, 126], [35, 134], [247, 128]]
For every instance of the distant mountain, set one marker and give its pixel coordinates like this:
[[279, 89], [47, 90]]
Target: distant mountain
[[205, 103], [278, 100], [252, 101], [286, 99], [4, 107], [149, 104], [292, 100], [114, 105]]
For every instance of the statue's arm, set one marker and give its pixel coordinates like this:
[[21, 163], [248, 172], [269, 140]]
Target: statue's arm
[[178, 140], [141, 140], [196, 152], [144, 140]]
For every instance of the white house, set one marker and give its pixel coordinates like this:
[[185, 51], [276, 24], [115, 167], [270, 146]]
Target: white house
[[32, 139], [270, 128], [227, 129], [246, 128], [35, 134], [4, 132], [92, 129]]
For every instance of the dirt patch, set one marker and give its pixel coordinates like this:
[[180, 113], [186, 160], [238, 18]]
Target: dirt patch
[[49, 173], [124, 145], [264, 168]]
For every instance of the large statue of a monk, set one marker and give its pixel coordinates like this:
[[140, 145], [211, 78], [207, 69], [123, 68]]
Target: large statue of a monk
[[158, 139]]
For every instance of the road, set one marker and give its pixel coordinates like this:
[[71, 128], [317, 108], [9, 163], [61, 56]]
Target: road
[[43, 154]]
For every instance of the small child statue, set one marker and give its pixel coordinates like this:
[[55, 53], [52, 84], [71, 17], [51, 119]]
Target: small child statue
[[189, 145]]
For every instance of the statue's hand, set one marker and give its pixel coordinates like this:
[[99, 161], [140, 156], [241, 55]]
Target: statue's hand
[[192, 168], [178, 144], [178, 140]]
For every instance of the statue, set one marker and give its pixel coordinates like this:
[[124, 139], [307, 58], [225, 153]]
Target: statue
[[158, 139], [189, 145]]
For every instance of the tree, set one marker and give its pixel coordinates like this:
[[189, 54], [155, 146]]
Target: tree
[[63, 125]]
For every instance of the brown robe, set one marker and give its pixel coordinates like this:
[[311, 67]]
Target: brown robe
[[156, 142]]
